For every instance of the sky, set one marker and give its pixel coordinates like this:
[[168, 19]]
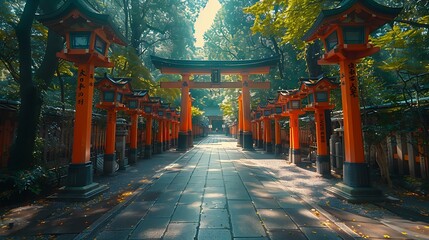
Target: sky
[[205, 20]]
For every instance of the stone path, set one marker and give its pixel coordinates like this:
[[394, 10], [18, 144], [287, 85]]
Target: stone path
[[217, 191]]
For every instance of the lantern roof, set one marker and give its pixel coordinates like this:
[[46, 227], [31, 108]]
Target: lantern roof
[[369, 11], [81, 14], [141, 94], [174, 66], [318, 83], [118, 82]]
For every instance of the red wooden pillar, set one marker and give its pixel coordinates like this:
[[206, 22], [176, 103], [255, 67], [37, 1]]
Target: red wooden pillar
[[133, 138], [260, 134], [182, 144], [190, 126], [148, 140], [295, 148], [240, 122], [268, 145], [277, 132], [245, 106], [83, 115], [355, 168]]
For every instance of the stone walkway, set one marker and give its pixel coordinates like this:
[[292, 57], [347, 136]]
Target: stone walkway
[[218, 191]]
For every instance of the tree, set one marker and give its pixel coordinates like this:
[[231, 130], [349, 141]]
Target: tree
[[31, 87]]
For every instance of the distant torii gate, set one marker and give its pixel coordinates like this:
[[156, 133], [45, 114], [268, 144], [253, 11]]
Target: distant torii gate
[[186, 68]]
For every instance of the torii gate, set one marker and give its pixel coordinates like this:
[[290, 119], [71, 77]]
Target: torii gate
[[244, 68]]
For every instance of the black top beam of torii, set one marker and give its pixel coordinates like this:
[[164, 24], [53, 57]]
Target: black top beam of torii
[[215, 69]]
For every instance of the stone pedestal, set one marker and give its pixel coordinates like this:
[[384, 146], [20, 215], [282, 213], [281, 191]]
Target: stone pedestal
[[269, 147], [247, 141], [323, 165], [147, 151], [295, 155], [121, 134], [80, 186], [182, 141], [109, 164], [278, 149]]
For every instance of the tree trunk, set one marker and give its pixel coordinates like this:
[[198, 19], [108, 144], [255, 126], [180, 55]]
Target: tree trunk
[[311, 56], [28, 118], [31, 94], [382, 163]]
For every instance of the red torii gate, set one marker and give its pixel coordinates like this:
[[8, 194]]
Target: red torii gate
[[186, 68]]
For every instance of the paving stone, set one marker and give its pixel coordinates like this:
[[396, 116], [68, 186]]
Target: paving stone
[[313, 233], [208, 190], [191, 197], [373, 230], [214, 218], [169, 196], [276, 219], [195, 187], [303, 217], [161, 210], [187, 213], [261, 203], [177, 186], [214, 234], [130, 216], [148, 196], [197, 179], [290, 202], [214, 202], [214, 183], [245, 222], [152, 228], [214, 176], [237, 193], [286, 234], [181, 231], [113, 235]]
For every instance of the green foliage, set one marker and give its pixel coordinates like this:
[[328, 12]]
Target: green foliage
[[24, 184]]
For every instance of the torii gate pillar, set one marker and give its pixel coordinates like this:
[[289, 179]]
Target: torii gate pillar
[[245, 106], [182, 143]]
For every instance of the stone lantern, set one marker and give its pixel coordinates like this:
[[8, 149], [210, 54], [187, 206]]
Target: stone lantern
[[135, 103], [88, 35], [345, 33], [318, 92], [113, 92], [292, 109]]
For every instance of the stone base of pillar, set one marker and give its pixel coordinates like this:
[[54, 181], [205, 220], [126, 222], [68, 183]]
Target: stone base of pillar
[[132, 158], [357, 194], [190, 139], [164, 146], [260, 143], [356, 174], [278, 149], [109, 164], [240, 139], [295, 155], [158, 147], [323, 165], [268, 147], [123, 164], [182, 141], [247, 141], [147, 151], [80, 185]]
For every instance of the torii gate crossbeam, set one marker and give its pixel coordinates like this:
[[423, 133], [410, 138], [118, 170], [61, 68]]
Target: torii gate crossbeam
[[243, 68]]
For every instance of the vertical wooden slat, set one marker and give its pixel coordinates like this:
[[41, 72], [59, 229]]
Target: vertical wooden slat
[[411, 156], [400, 150], [390, 152]]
